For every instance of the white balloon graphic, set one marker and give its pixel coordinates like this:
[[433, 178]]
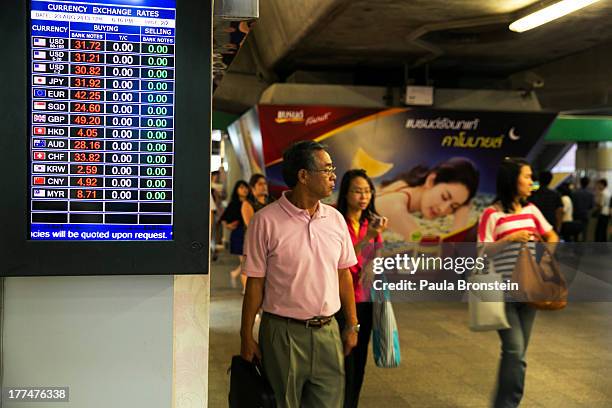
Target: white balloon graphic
[[513, 135]]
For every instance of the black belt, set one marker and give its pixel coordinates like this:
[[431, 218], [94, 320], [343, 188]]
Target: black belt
[[317, 322]]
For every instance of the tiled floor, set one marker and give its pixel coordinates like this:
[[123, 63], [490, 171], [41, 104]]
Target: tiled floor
[[446, 365]]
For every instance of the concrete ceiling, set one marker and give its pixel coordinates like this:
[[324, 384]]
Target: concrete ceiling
[[382, 32], [385, 40]]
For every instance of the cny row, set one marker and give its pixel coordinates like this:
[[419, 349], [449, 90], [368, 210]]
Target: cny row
[[102, 182]]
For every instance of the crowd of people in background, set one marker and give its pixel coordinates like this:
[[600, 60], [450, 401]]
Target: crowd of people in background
[[570, 210], [246, 199], [537, 214]]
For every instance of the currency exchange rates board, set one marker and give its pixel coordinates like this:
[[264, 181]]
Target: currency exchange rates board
[[102, 119]]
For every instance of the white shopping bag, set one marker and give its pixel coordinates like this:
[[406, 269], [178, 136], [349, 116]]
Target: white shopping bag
[[487, 308]]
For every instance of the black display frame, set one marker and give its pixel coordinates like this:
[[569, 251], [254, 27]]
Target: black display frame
[[188, 252]]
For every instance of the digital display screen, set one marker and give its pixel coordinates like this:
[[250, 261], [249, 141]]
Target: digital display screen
[[102, 120]]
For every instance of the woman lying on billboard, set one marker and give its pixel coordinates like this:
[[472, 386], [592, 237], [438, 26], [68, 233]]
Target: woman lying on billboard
[[444, 189]]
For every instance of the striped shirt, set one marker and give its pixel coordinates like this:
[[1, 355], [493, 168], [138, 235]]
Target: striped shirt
[[495, 225]]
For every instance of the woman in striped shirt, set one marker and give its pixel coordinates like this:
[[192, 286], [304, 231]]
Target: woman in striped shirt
[[505, 226]]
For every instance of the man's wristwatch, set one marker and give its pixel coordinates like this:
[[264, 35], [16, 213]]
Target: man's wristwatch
[[355, 328]]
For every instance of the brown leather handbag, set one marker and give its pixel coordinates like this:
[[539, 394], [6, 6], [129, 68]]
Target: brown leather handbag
[[541, 285]]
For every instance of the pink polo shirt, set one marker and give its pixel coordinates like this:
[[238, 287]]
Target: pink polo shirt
[[299, 256]]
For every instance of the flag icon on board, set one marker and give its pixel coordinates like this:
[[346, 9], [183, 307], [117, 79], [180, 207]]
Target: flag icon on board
[[40, 118], [39, 168], [40, 105], [40, 42], [40, 67], [40, 143], [40, 130], [40, 93], [39, 155], [40, 54], [39, 193], [39, 180], [40, 80]]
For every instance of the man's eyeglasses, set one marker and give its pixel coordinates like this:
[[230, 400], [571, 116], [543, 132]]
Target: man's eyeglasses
[[327, 171]]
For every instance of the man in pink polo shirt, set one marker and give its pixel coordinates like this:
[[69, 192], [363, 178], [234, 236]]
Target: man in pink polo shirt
[[298, 251]]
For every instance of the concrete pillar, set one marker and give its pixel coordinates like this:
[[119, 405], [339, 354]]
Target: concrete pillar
[[594, 160], [237, 10]]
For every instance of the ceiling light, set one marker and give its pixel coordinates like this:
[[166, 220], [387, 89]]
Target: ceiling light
[[548, 14]]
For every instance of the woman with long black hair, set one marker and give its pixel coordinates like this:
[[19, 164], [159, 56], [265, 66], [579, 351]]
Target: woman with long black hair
[[444, 189], [233, 220], [256, 200], [504, 226], [356, 203]]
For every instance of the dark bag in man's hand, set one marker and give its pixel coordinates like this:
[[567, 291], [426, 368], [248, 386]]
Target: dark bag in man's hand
[[249, 387]]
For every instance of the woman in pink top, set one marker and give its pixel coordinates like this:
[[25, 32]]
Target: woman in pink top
[[504, 226], [356, 204]]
